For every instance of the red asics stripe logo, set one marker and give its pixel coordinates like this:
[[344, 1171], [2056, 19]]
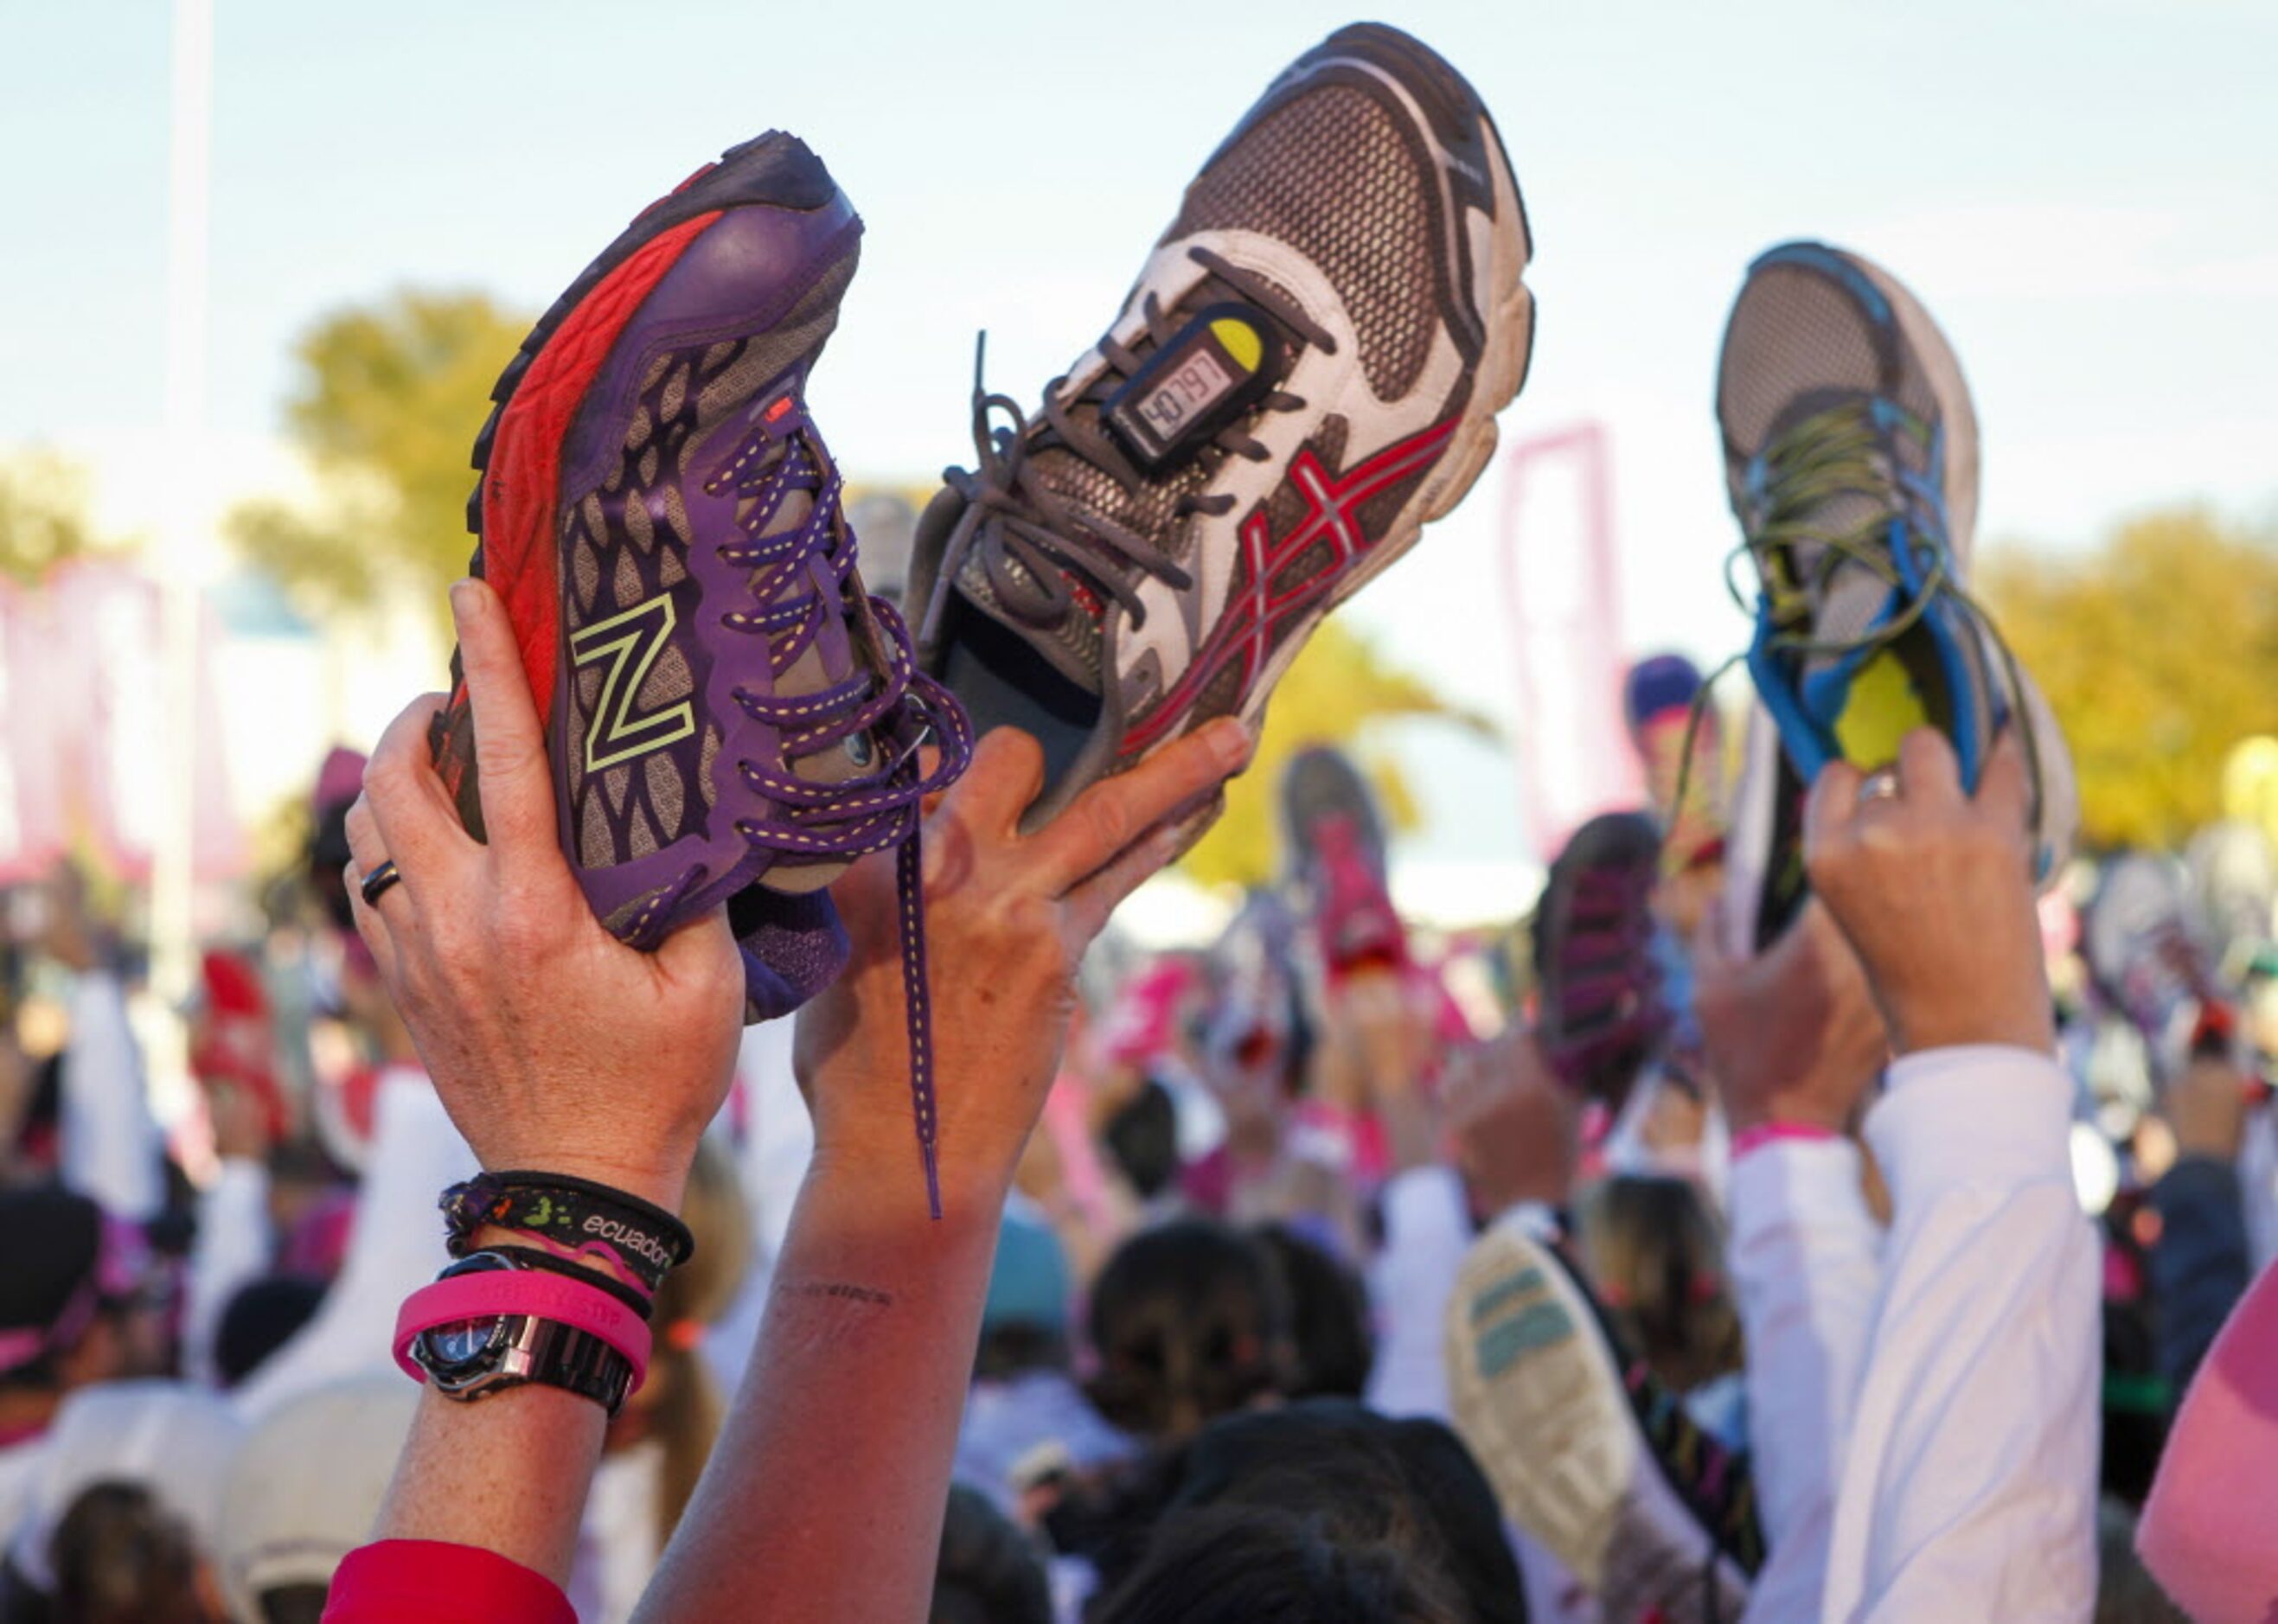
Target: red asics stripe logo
[[1245, 631]]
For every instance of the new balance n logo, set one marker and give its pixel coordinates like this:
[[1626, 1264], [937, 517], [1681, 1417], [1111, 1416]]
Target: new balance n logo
[[626, 645]]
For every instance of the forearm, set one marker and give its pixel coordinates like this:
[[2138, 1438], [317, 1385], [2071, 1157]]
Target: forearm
[[824, 1496], [1968, 1485], [506, 1473], [1805, 1259], [1427, 1233]]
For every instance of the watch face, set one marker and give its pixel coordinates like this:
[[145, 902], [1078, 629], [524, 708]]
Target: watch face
[[461, 1340]]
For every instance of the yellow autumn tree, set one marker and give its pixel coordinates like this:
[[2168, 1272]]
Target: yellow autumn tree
[[386, 400], [1340, 688], [2158, 651]]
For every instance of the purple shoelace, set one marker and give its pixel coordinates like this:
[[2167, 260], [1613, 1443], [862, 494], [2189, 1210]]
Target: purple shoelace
[[874, 809]]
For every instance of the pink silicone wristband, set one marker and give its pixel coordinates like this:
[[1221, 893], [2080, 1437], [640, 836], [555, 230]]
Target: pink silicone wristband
[[540, 1296], [1765, 1133]]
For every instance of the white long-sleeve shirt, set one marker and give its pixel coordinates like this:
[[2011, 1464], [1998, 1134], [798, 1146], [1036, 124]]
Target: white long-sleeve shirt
[[1427, 1229], [111, 1148], [1968, 1482], [1805, 1258], [396, 1247], [233, 1247]]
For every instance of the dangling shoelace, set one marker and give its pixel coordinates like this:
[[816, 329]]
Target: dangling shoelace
[[1051, 537], [1846, 450], [874, 810]]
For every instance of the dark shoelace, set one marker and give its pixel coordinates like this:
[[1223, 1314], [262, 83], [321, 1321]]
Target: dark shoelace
[[1014, 517], [1846, 450], [874, 810]]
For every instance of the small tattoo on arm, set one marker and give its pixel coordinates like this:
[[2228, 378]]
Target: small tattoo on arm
[[838, 1289]]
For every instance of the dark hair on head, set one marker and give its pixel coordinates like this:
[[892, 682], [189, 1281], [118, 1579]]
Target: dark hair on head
[[120, 1558], [1143, 1139], [1654, 1255], [989, 1571], [2138, 1403], [1333, 1352], [50, 1242], [1007, 1351], [1411, 1524], [294, 1604], [1188, 1321], [1257, 1565], [260, 1319]]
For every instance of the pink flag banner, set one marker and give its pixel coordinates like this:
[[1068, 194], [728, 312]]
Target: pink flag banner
[[101, 677], [1562, 590], [33, 832]]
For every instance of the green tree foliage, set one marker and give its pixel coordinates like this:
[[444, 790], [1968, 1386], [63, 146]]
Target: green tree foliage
[[42, 516], [386, 400], [2158, 651], [1338, 688]]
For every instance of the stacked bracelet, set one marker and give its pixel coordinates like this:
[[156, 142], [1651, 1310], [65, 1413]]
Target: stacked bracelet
[[571, 1217], [572, 1269], [491, 1323]]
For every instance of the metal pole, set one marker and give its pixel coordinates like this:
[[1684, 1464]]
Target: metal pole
[[181, 538]]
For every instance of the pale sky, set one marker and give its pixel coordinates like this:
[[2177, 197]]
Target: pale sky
[[2083, 194]]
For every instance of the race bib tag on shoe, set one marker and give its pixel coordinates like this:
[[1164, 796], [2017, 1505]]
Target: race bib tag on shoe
[[1214, 370]]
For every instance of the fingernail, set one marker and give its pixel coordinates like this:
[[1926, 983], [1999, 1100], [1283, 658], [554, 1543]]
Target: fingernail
[[1230, 741], [466, 602]]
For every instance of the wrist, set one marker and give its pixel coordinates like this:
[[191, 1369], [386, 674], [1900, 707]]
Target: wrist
[[661, 1179], [1756, 1135], [2005, 1028], [888, 1183], [1782, 1116]]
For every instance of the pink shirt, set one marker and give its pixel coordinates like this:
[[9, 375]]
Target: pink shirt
[[442, 1584]]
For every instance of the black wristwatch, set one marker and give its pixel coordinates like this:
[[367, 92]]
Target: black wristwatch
[[471, 1359]]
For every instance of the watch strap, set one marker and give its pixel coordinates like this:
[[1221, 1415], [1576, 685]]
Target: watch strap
[[527, 1294]]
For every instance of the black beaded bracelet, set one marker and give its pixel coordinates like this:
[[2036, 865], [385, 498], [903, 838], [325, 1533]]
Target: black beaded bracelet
[[570, 1212], [532, 1257]]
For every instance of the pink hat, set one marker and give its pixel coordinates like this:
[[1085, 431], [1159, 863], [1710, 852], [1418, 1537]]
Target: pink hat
[[341, 780]]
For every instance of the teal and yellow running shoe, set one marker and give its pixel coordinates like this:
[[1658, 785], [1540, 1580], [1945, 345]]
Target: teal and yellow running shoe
[[1851, 456]]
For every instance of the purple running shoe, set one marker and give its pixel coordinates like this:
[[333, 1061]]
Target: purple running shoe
[[731, 718]]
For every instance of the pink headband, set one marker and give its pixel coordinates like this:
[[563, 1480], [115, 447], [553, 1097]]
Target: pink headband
[[122, 1261]]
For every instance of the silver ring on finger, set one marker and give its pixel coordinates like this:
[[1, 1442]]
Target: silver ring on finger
[[1879, 785], [375, 884]]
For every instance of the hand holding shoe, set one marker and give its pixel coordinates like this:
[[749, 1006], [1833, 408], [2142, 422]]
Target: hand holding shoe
[[1933, 889], [554, 1046]]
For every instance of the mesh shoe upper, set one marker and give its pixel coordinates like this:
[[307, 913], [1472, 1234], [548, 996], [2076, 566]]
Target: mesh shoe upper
[[730, 718], [1851, 457], [1361, 222]]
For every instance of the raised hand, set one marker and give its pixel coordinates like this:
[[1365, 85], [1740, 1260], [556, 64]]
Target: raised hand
[[554, 1045], [1792, 1033], [1933, 889], [1008, 917]]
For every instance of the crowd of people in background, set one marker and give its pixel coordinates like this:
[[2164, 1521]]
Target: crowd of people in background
[[1791, 1218], [1241, 1261]]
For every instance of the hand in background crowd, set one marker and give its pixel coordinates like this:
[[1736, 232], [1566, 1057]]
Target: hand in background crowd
[[1008, 917], [1792, 1034], [239, 1118], [1514, 1123], [69, 932], [552, 1045], [2205, 1109], [1933, 889], [1384, 1032]]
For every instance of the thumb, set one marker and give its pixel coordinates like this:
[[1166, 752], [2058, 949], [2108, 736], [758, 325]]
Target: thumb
[[517, 786]]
